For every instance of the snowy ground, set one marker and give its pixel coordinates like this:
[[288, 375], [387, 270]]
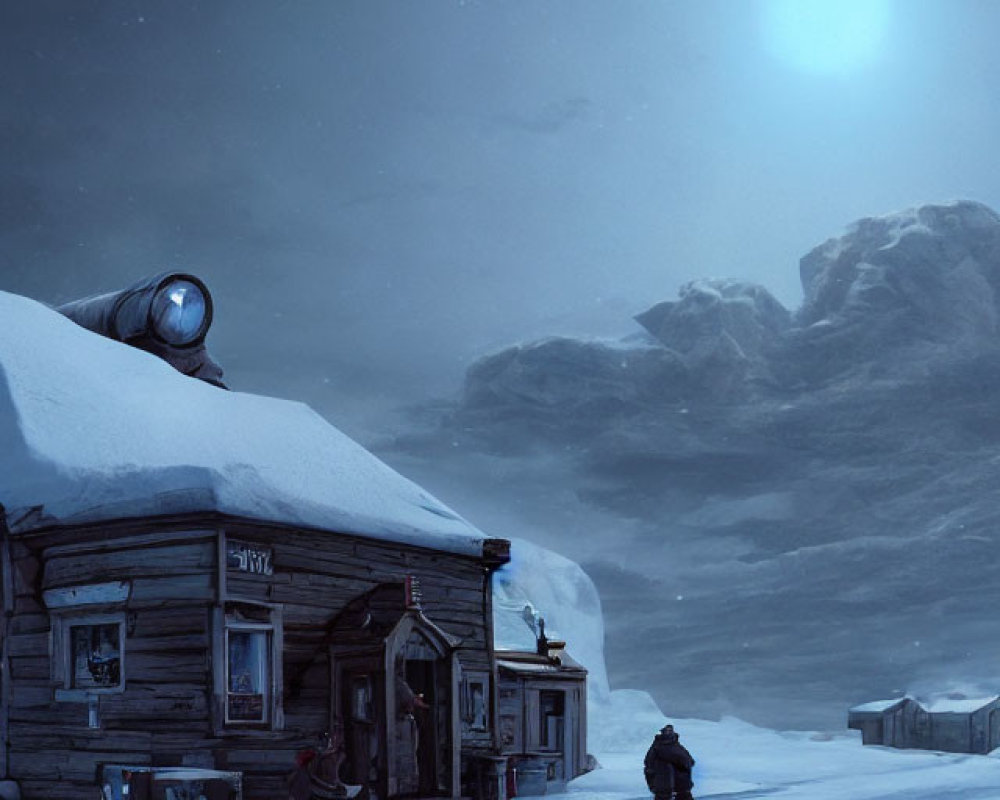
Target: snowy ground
[[737, 760]]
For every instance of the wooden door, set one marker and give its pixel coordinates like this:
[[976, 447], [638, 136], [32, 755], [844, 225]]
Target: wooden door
[[421, 720], [359, 689]]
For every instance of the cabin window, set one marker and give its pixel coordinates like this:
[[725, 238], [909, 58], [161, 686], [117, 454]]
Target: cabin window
[[90, 656], [552, 706], [476, 701], [247, 657], [248, 672], [96, 656]]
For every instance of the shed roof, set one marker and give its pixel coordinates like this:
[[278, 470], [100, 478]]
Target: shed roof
[[94, 430], [531, 664], [956, 703], [877, 706], [945, 703]]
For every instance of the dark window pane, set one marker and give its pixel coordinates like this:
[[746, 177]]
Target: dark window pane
[[96, 656]]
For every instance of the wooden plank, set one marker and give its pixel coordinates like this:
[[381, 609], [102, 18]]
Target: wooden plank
[[182, 666], [24, 720], [29, 623], [176, 560], [58, 790], [27, 604], [187, 703], [30, 667], [25, 574], [183, 587], [221, 585], [169, 621], [88, 594], [31, 697], [67, 765], [191, 642], [126, 542], [29, 644], [7, 591]]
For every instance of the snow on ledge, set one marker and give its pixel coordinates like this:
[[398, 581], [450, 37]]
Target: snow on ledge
[[877, 706], [93, 430]]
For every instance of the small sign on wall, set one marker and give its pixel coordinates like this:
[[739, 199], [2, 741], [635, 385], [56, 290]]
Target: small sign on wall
[[252, 558]]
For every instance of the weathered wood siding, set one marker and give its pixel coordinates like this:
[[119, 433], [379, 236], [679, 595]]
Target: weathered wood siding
[[316, 575], [520, 719], [165, 716]]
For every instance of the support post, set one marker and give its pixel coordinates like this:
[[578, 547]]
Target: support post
[[7, 576]]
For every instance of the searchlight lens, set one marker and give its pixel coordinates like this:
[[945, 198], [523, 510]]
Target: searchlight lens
[[179, 312]]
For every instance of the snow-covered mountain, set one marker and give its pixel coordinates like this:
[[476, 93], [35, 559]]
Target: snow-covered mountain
[[785, 513]]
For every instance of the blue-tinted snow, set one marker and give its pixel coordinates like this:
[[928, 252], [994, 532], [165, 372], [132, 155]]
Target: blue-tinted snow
[[91, 429]]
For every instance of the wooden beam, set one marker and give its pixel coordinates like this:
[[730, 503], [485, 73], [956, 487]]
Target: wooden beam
[[89, 594], [7, 576]]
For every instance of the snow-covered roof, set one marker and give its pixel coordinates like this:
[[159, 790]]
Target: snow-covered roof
[[946, 703], [537, 667], [956, 703], [94, 430], [877, 705]]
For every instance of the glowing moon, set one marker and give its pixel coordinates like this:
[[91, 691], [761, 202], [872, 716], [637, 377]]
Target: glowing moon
[[828, 37]]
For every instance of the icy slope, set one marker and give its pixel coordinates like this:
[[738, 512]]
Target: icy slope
[[91, 429], [738, 760]]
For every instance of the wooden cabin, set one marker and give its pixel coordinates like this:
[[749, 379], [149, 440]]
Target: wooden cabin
[[197, 583], [228, 645], [950, 722], [543, 721], [542, 708]]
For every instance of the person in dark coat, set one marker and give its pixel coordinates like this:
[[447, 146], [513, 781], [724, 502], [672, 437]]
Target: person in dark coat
[[668, 767]]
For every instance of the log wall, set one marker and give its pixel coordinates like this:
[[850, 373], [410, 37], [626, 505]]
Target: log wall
[[167, 714]]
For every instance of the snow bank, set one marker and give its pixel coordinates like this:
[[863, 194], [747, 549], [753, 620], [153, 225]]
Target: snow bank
[[734, 758], [91, 430], [558, 590]]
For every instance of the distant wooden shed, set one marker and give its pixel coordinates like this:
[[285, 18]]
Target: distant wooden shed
[[950, 722], [542, 717]]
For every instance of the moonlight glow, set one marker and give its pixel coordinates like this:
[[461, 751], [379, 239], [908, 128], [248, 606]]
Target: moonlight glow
[[830, 37]]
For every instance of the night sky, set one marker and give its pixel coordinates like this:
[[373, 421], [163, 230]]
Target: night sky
[[379, 192]]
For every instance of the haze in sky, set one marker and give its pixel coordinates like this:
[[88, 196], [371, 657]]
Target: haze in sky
[[379, 192]]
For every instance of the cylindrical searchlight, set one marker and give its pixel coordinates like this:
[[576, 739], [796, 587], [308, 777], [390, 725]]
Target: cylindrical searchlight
[[173, 308], [167, 314]]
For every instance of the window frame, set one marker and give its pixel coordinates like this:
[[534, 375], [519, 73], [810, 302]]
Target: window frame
[[560, 698], [241, 626], [226, 620], [468, 709], [62, 661]]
